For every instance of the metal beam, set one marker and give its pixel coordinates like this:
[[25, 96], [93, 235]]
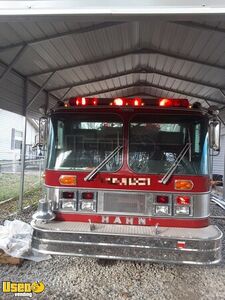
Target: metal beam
[[66, 93], [109, 8], [148, 51], [14, 61], [147, 71], [151, 85], [23, 154], [62, 35], [142, 95], [222, 92], [16, 73], [199, 26], [39, 91]]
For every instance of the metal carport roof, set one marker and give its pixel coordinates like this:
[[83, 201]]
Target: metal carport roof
[[110, 49], [66, 58]]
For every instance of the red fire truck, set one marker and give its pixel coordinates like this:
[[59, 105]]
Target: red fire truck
[[128, 178]]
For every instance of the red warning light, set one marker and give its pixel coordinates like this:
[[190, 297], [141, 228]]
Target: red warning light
[[119, 102], [137, 102], [127, 102], [164, 102], [81, 101]]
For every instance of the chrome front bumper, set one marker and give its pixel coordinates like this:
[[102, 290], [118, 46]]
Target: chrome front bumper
[[141, 243]]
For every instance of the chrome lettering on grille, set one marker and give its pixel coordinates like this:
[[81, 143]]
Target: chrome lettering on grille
[[128, 181], [117, 220], [141, 221], [124, 220], [129, 221], [105, 219]]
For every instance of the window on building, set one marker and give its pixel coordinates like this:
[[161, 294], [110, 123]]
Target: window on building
[[16, 139]]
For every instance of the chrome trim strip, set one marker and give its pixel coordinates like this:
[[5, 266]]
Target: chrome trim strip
[[199, 204], [123, 246], [135, 259]]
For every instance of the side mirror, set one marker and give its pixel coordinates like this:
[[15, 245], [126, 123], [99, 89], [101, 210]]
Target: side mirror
[[214, 135], [43, 128]]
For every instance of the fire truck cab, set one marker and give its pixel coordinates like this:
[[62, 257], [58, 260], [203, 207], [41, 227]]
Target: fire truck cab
[[129, 178]]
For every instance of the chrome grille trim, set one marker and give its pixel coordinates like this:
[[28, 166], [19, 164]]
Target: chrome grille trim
[[200, 201], [125, 203]]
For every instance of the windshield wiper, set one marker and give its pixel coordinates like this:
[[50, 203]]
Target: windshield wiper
[[102, 164], [169, 173]]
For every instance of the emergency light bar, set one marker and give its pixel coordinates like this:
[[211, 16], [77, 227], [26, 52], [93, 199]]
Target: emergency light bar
[[131, 102]]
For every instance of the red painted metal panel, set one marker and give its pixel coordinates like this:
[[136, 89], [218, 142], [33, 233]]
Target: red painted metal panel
[[129, 220], [126, 180]]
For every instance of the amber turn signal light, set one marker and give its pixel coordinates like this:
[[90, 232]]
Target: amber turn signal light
[[68, 180], [183, 185]]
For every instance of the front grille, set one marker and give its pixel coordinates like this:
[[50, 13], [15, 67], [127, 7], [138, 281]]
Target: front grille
[[115, 202]]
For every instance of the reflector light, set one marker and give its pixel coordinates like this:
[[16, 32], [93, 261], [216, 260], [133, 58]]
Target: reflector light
[[173, 102], [68, 180], [68, 195], [183, 200], [181, 244], [162, 199], [183, 185], [88, 195]]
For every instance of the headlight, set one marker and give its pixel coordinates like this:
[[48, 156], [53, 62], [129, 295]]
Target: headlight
[[162, 210], [182, 210], [87, 205], [68, 204]]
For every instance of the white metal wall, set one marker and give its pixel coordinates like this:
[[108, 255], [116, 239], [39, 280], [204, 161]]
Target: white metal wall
[[218, 161]]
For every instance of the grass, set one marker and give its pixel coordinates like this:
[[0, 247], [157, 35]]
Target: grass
[[10, 184], [30, 199]]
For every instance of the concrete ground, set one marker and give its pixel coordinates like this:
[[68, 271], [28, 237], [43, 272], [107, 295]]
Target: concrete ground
[[78, 278]]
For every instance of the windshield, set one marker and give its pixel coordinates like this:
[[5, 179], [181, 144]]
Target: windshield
[[155, 143], [81, 142]]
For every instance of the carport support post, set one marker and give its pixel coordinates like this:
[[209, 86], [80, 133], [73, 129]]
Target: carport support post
[[224, 178], [23, 156]]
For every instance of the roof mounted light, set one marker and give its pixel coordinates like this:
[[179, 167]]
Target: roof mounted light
[[127, 102], [119, 102], [165, 102], [137, 102], [82, 101]]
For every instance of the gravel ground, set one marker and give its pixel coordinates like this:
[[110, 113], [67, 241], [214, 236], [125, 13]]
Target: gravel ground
[[77, 278]]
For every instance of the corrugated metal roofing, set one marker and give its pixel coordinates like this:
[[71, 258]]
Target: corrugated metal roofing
[[156, 58]]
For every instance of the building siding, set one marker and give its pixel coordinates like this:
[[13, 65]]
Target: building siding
[[8, 121], [218, 161]]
